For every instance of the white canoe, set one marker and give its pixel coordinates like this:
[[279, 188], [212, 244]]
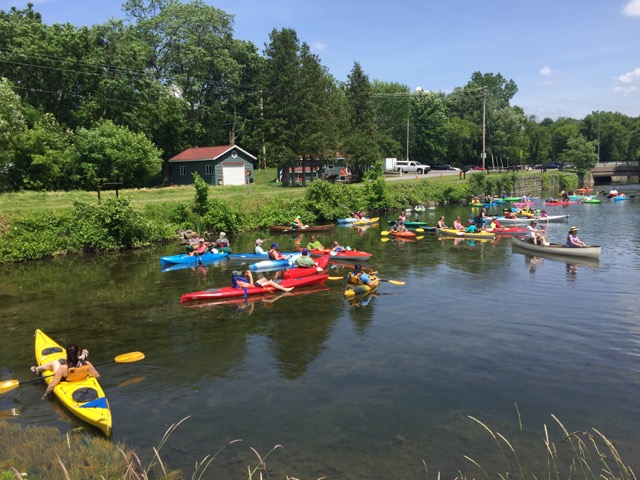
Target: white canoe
[[557, 249]]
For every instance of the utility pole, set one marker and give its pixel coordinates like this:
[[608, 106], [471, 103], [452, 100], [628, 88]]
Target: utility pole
[[264, 149], [407, 138], [484, 125], [598, 137]]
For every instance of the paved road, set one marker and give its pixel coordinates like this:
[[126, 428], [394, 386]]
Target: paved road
[[432, 174]]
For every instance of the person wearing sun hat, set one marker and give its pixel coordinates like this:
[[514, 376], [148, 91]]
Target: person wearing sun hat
[[258, 248], [274, 253], [573, 240]]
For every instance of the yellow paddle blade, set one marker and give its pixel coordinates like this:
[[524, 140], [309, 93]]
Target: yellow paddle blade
[[384, 232], [385, 239], [129, 357], [349, 293], [419, 230], [8, 385], [420, 237], [335, 278], [395, 282]]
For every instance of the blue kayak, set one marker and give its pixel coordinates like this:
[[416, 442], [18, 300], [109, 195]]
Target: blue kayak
[[274, 264], [191, 260]]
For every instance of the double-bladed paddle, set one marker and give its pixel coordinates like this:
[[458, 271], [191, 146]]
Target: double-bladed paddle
[[130, 357]]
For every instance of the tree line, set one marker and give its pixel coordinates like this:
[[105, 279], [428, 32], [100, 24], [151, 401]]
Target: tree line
[[80, 106]]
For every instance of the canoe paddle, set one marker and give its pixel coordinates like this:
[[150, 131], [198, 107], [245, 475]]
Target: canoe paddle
[[9, 385]]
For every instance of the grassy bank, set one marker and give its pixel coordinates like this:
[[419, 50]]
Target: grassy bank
[[44, 453], [35, 225]]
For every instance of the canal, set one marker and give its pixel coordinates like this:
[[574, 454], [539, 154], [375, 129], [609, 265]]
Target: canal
[[367, 389]]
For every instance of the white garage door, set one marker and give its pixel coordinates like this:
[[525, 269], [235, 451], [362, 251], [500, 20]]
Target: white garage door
[[233, 174]]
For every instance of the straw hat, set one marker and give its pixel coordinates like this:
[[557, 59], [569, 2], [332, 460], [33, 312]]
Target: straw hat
[[574, 229]]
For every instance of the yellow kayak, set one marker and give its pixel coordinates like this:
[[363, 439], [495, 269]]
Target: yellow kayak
[[353, 290], [84, 398], [366, 221], [452, 232]]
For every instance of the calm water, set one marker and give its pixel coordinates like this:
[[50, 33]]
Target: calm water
[[351, 390]]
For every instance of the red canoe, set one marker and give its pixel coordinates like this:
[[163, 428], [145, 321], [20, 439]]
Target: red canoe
[[229, 292], [355, 255], [560, 204], [299, 272]]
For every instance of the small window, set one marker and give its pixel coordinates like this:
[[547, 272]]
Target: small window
[[183, 169], [208, 169], [330, 166]]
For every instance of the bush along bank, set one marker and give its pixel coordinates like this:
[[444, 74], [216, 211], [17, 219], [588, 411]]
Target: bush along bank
[[116, 225]]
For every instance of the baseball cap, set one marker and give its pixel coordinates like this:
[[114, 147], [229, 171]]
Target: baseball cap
[[305, 251], [274, 245], [259, 241]]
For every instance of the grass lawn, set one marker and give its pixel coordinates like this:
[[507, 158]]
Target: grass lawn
[[258, 192]]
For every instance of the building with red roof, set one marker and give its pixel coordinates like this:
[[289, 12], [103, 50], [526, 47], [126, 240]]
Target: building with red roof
[[220, 165]]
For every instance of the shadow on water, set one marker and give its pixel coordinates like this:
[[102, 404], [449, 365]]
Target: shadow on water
[[360, 389]]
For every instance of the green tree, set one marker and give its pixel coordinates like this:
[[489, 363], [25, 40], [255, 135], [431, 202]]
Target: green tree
[[539, 142], [282, 115], [461, 141], [361, 139], [12, 126], [581, 153], [561, 131], [429, 122], [109, 152], [392, 103]]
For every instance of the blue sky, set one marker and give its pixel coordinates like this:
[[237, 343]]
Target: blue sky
[[568, 57]]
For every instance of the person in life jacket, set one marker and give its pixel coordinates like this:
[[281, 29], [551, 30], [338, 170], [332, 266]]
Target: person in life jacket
[[358, 277], [73, 368]]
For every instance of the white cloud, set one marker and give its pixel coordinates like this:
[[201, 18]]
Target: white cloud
[[319, 46], [546, 71], [632, 8], [629, 82]]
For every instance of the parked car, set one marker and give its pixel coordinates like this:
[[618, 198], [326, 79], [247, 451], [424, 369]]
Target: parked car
[[443, 166], [466, 168], [409, 166], [550, 165]]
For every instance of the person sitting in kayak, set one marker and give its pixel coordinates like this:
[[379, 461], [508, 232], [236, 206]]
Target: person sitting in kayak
[[357, 276], [314, 244], [274, 253], [509, 214], [398, 227], [471, 228], [457, 224], [222, 243], [535, 234], [305, 261], [192, 242], [201, 249], [258, 248], [573, 240], [238, 281], [336, 247], [65, 369], [495, 223], [441, 223]]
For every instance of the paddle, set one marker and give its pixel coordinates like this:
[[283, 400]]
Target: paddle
[[9, 385], [384, 233], [419, 230]]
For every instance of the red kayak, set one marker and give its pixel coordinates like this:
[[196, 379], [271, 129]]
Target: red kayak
[[260, 298], [355, 255], [228, 292], [560, 204], [299, 272]]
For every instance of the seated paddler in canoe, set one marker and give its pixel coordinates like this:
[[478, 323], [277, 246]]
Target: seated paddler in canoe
[[74, 367], [572, 239], [314, 244], [274, 253], [222, 243], [202, 248], [238, 281]]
